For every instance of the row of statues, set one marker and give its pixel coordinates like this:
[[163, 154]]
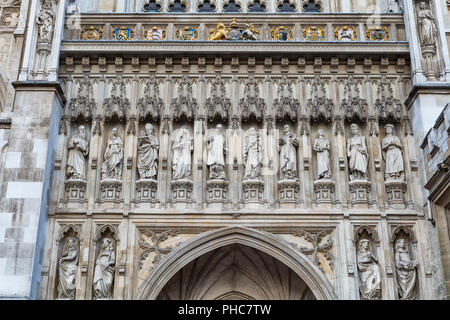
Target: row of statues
[[103, 274], [369, 271], [183, 144]]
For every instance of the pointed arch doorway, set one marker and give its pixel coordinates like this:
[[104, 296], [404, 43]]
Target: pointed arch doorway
[[236, 263]]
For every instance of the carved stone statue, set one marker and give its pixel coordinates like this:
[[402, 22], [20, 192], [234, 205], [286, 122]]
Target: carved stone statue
[[216, 154], [72, 8], [394, 157], [78, 150], [45, 21], [113, 158], [288, 154], [147, 160], [67, 270], [253, 155], [406, 271], [427, 26], [322, 147], [183, 144], [104, 271], [369, 272], [357, 154]]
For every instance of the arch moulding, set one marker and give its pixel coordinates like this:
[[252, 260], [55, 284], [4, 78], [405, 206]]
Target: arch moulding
[[257, 239]]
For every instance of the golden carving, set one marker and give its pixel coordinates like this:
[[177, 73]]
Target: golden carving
[[314, 33], [123, 33], [346, 33], [187, 33], [377, 33], [220, 33], [282, 33], [91, 33], [234, 31]]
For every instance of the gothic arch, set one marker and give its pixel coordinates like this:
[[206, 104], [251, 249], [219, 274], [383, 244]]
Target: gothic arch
[[256, 239]]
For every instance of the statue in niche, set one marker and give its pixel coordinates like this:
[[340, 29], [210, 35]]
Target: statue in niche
[[357, 154], [183, 144], [288, 154], [253, 155], [78, 150], [104, 271], [216, 154], [406, 271], [394, 157], [45, 21], [322, 147], [427, 26], [369, 272], [72, 8], [67, 270], [148, 148], [113, 159]]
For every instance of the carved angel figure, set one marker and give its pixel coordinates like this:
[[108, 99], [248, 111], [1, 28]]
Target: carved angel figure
[[182, 146], [67, 270], [252, 155], [427, 26], [322, 147], [45, 21], [148, 147], [78, 150], [394, 157], [113, 158], [104, 271], [406, 271], [288, 154], [357, 154], [369, 272], [216, 146]]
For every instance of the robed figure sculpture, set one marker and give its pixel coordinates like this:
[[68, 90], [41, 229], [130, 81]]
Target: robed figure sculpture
[[104, 271], [147, 159], [288, 154], [322, 147], [357, 154], [253, 155], [182, 145], [216, 147], [369, 272], [67, 266], [76, 158], [405, 270], [113, 158], [394, 157]]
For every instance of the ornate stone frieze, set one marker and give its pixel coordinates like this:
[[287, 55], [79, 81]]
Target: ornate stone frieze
[[150, 245], [285, 105], [319, 106], [352, 105], [151, 105], [387, 107], [83, 106], [218, 105], [117, 105], [184, 105], [252, 106]]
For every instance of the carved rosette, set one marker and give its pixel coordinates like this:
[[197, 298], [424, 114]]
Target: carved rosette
[[217, 191], [288, 190], [75, 190], [146, 191], [359, 191], [182, 190], [253, 191], [395, 190], [324, 191], [110, 190]]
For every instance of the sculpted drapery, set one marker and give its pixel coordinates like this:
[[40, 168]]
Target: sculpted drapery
[[322, 147], [147, 160], [288, 154], [183, 144], [252, 155], [78, 150], [216, 154], [113, 158], [104, 271], [357, 154], [405, 270], [394, 157], [67, 270], [369, 272], [427, 27]]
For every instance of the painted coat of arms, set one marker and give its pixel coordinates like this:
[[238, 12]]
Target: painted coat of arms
[[282, 33], [123, 33], [187, 33], [234, 32], [314, 33], [378, 34], [155, 33]]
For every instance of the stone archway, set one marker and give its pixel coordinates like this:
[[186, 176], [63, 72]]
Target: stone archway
[[265, 242]]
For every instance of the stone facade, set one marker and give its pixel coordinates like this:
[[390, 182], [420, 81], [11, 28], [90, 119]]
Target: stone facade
[[284, 142]]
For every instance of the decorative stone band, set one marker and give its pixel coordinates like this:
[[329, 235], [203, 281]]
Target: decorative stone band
[[110, 190], [217, 191], [289, 191], [146, 190], [182, 190], [75, 190], [253, 191], [359, 191], [396, 190], [324, 191]]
